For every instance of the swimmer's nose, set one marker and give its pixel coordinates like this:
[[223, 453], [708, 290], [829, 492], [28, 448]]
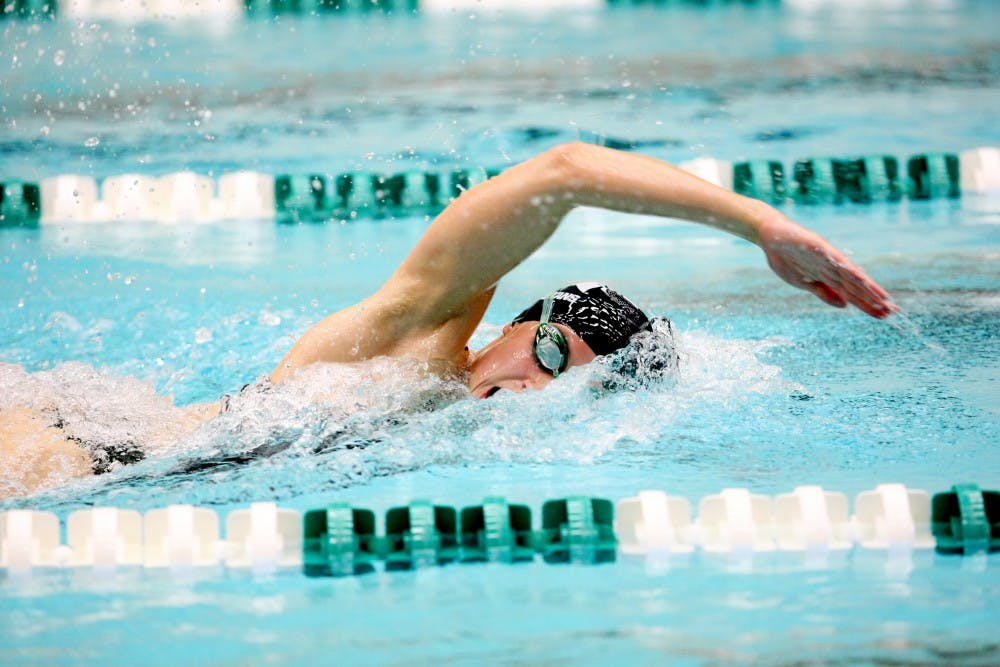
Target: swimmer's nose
[[525, 384]]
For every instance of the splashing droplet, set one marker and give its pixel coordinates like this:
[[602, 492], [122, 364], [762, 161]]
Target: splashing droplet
[[268, 319]]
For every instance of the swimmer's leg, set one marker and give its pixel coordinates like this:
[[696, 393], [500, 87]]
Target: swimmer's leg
[[36, 455]]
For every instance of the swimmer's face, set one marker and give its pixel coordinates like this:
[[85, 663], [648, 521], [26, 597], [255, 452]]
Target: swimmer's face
[[508, 363]]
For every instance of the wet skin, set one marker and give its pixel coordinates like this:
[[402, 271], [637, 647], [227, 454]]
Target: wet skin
[[508, 362]]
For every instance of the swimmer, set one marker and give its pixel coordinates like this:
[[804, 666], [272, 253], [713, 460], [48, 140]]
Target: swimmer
[[433, 302]]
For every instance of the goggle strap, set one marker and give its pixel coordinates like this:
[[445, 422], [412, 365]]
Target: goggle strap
[[547, 309]]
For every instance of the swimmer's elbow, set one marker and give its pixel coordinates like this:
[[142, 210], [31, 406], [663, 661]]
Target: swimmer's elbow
[[566, 161], [569, 169]]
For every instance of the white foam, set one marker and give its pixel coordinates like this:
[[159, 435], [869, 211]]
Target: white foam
[[94, 405], [339, 424]]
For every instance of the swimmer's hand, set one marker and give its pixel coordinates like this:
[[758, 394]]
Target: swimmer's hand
[[807, 261]]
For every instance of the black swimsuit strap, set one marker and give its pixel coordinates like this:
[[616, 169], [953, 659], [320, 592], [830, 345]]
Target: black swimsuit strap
[[103, 456]]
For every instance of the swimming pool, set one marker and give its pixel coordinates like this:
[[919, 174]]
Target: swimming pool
[[776, 390]]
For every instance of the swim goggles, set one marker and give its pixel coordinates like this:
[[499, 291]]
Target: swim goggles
[[550, 349]]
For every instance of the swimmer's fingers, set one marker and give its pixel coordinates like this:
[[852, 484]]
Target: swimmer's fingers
[[870, 301], [827, 294], [858, 289], [807, 260], [840, 270], [877, 308]]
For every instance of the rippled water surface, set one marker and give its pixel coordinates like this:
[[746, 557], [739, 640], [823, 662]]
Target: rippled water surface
[[774, 389]]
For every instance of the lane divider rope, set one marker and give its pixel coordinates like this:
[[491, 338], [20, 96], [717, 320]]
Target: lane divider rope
[[186, 197], [341, 540], [162, 10]]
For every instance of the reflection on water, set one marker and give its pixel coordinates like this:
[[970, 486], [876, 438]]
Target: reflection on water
[[701, 613]]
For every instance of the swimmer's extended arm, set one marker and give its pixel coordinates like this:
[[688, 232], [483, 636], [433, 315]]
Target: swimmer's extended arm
[[436, 298], [493, 227]]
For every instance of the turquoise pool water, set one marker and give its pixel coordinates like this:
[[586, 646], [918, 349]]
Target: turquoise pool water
[[775, 389]]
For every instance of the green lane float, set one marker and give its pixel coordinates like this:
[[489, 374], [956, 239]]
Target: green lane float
[[578, 530], [836, 180], [760, 179], [301, 198], [419, 535], [966, 520], [20, 203], [339, 541], [934, 176], [318, 197], [496, 532], [269, 8], [28, 9]]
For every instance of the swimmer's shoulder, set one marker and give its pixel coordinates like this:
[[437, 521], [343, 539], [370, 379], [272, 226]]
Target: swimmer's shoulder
[[387, 324]]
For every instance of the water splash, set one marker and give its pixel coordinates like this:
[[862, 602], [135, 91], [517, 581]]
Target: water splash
[[338, 425], [906, 326], [91, 404]]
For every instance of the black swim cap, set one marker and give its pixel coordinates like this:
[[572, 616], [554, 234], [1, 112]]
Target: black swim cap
[[602, 317]]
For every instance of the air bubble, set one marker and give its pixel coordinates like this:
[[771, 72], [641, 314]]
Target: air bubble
[[91, 142], [59, 58], [268, 319]]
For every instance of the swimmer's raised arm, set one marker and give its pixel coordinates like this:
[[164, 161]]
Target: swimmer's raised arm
[[493, 227], [433, 302]]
